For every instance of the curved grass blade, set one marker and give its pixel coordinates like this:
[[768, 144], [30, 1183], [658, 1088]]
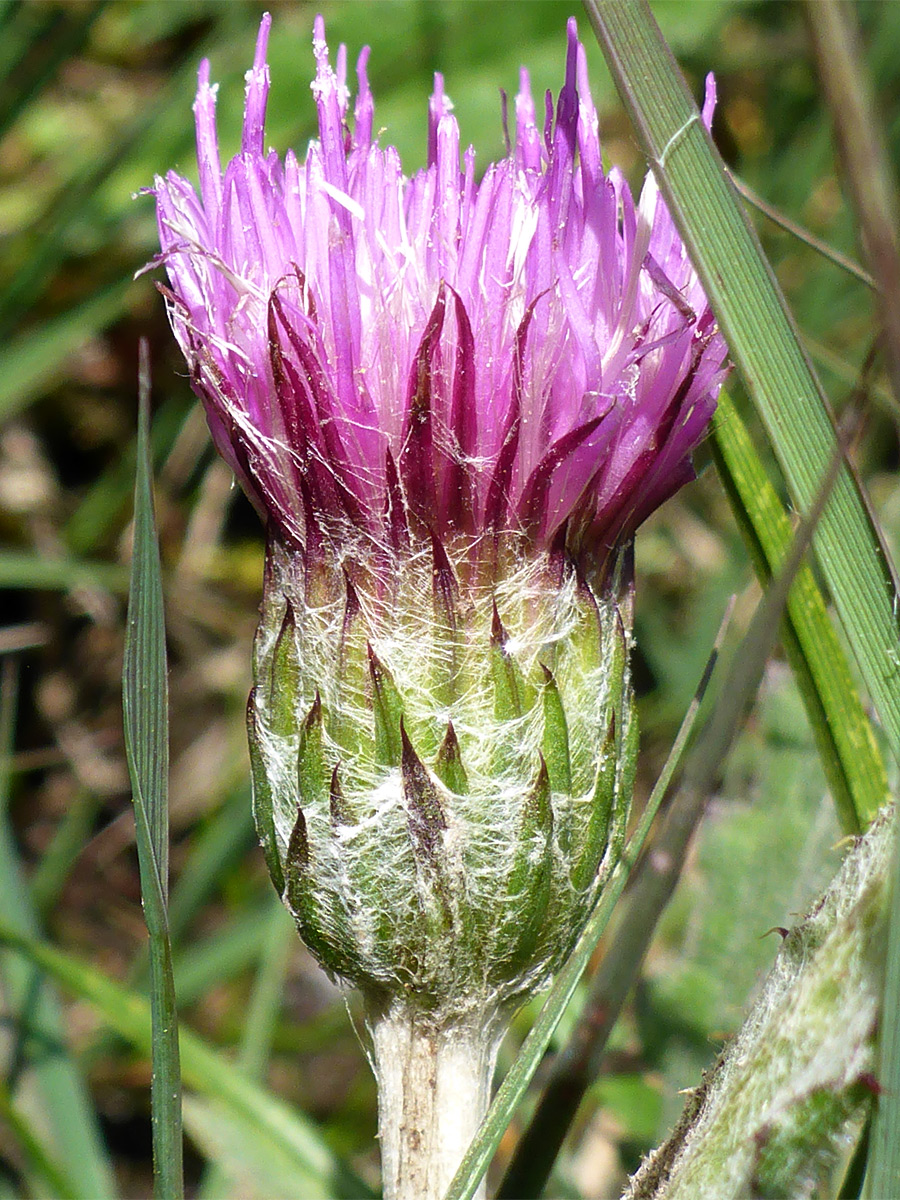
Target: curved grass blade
[[39, 1044], [844, 735], [883, 1170], [867, 177], [23, 570], [320, 1175], [145, 704], [801, 233], [761, 335], [35, 359], [39, 1163], [279, 937]]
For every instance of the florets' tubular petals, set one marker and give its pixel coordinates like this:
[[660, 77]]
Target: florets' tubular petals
[[546, 262]]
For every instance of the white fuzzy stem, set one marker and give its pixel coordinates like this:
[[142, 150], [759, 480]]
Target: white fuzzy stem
[[433, 1090]]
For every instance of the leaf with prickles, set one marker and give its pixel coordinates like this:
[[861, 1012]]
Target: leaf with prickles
[[387, 708], [529, 882], [426, 816], [556, 737], [595, 837], [448, 766], [509, 686], [312, 773], [262, 798], [284, 678]]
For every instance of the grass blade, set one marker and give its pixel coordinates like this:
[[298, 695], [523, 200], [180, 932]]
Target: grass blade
[[226, 839], [39, 1163], [204, 963], [844, 735], [867, 176], [319, 1174], [279, 937], [29, 1001], [57, 37], [802, 234], [761, 335], [883, 1171], [145, 704], [34, 360], [24, 570], [49, 876]]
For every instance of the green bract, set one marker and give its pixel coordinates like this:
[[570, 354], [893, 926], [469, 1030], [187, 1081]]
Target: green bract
[[443, 756]]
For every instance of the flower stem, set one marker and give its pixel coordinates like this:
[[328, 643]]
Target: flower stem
[[433, 1089]]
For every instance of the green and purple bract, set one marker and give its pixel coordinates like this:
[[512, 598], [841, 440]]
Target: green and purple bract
[[452, 400]]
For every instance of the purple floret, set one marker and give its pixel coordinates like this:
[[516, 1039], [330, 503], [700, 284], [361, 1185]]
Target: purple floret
[[381, 356]]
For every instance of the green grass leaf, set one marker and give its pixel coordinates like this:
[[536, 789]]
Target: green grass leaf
[[145, 703], [761, 336], [319, 1174], [24, 570], [227, 1175], [224, 840], [70, 1143], [38, 1163], [844, 736], [883, 1171], [33, 361]]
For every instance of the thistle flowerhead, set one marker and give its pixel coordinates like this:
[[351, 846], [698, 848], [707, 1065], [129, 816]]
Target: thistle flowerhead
[[452, 398]]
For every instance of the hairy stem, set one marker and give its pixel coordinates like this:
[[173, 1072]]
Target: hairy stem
[[433, 1090]]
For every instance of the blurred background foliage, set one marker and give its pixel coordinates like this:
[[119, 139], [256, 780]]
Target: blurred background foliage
[[94, 100]]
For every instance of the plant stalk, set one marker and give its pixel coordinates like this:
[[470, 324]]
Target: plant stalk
[[434, 1085]]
